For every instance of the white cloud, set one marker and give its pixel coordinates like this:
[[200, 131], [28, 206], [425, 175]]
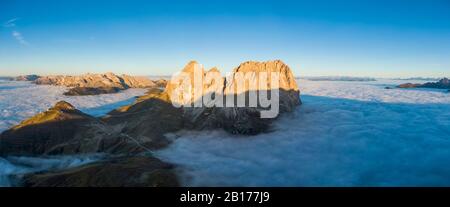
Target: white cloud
[[344, 134], [10, 23], [19, 37]]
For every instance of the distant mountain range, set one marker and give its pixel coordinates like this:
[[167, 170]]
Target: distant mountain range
[[338, 78], [418, 78], [441, 84]]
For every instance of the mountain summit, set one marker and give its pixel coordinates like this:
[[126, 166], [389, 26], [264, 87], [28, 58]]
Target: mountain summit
[[97, 81]]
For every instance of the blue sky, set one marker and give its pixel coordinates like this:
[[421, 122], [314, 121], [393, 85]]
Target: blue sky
[[350, 38]]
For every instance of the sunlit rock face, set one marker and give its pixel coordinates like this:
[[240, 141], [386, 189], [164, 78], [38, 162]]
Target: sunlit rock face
[[97, 80], [254, 72], [87, 91], [181, 88], [235, 102]]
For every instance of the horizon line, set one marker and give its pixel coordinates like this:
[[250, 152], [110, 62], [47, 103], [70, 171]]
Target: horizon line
[[226, 73]]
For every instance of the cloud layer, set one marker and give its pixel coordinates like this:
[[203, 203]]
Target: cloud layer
[[15, 34], [20, 100], [19, 37], [344, 134], [10, 23]]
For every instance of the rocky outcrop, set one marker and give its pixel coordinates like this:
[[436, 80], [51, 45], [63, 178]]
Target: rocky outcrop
[[97, 80], [235, 119], [137, 171], [441, 84], [289, 92], [408, 85], [26, 78], [85, 91], [247, 120], [94, 84]]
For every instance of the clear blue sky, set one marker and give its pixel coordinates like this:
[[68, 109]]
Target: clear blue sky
[[376, 38]]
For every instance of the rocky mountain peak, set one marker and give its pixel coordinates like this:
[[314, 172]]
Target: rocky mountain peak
[[214, 69], [63, 105], [287, 79], [190, 67], [245, 120], [441, 84], [59, 112], [98, 80]]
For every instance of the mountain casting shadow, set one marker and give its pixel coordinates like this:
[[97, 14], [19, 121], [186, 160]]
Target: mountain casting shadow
[[325, 142]]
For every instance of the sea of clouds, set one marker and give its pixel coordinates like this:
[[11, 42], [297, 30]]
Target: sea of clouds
[[21, 100], [344, 134]]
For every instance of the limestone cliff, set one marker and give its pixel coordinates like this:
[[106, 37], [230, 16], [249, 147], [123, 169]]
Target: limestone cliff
[[97, 80], [221, 108]]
